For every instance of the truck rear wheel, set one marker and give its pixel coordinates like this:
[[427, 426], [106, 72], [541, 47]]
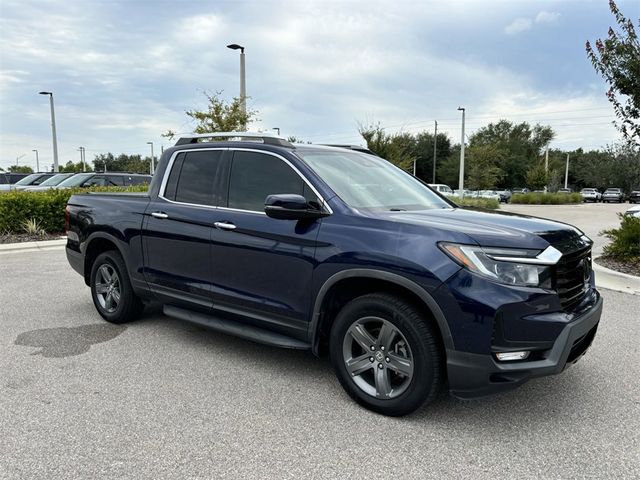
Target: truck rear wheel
[[111, 289], [386, 355]]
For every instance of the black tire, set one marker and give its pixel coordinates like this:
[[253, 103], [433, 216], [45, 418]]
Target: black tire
[[419, 343], [128, 306]]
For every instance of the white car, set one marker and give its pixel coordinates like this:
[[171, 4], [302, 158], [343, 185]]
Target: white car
[[590, 195], [442, 189], [633, 212], [491, 194]]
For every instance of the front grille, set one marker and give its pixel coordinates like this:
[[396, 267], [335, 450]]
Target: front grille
[[571, 277]]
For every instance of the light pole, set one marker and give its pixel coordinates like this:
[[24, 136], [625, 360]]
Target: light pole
[[243, 85], [566, 172], [435, 146], [53, 131], [37, 161], [81, 150], [461, 178], [152, 168], [277, 129]]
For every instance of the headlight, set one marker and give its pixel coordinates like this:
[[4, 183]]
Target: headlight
[[527, 268]]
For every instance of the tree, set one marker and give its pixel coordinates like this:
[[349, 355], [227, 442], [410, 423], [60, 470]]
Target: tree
[[71, 167], [20, 169], [537, 177], [519, 147], [422, 149], [617, 59], [121, 163], [395, 148], [219, 116], [482, 171]]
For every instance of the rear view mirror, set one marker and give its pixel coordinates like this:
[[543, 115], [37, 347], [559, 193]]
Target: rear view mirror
[[290, 207]]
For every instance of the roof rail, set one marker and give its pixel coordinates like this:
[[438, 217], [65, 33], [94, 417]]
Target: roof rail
[[267, 138]]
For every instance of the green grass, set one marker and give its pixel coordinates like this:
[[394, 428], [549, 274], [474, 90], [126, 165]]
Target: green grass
[[546, 198]]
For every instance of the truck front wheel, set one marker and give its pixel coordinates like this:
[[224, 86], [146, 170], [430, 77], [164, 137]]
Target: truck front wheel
[[386, 354], [111, 289]]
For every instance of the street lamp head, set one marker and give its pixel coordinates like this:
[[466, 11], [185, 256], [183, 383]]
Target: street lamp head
[[235, 46], [461, 109], [45, 93], [149, 143]]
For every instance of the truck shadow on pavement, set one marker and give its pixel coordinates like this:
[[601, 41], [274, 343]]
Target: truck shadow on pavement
[[68, 341]]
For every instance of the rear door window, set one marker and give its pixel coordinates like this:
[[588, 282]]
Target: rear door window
[[194, 176]]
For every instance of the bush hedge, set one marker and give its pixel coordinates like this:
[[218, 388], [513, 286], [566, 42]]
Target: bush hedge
[[546, 198], [45, 207], [485, 203], [625, 241]]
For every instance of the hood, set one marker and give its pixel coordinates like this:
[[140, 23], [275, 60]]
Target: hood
[[489, 229]]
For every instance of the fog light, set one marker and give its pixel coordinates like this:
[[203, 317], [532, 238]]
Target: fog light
[[510, 356]]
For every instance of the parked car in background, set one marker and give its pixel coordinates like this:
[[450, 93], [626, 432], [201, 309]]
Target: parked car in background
[[565, 190], [9, 178], [442, 189], [591, 195], [341, 253], [517, 191], [489, 194], [634, 196], [613, 195], [101, 179], [51, 181], [30, 180], [633, 212], [505, 195]]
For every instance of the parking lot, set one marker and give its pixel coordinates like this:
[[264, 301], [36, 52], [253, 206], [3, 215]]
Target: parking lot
[[162, 399]]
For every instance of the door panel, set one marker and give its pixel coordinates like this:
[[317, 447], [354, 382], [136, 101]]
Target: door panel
[[177, 230]]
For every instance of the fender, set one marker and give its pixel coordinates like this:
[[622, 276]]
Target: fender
[[401, 281]]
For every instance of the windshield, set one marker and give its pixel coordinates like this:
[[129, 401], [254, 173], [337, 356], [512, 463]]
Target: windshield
[[76, 180], [55, 180], [29, 179], [367, 181]]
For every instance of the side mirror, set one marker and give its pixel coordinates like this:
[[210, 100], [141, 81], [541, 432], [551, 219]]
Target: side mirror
[[290, 207]]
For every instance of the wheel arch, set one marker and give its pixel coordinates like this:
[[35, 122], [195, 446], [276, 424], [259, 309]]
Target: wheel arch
[[98, 243], [366, 281]]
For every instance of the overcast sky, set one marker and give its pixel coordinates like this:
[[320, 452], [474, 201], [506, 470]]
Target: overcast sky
[[124, 71]]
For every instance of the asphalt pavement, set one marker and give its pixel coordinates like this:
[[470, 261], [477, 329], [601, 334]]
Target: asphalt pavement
[[80, 398]]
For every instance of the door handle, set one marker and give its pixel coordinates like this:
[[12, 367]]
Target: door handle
[[159, 215], [225, 226]]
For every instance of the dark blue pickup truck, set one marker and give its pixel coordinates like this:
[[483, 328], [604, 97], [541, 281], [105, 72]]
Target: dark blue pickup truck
[[342, 253]]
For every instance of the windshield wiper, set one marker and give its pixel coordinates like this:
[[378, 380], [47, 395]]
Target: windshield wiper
[[397, 209]]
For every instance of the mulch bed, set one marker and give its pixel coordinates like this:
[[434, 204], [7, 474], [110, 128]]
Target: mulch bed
[[25, 237], [630, 267]]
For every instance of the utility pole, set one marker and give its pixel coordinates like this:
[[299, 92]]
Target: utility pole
[[37, 161], [461, 177], [152, 168], [414, 166], [435, 143], [18, 159], [53, 131], [566, 172], [546, 167], [243, 84], [81, 150]]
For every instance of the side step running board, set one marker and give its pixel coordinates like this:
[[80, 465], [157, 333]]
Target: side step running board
[[237, 329]]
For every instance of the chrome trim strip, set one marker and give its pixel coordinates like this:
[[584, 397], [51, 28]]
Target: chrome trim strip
[[549, 256]]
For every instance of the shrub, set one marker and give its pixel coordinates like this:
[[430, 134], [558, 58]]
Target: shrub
[[45, 208], [625, 241], [546, 198], [484, 203], [32, 227]]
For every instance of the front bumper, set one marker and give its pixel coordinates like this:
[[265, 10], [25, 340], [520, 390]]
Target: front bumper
[[474, 375]]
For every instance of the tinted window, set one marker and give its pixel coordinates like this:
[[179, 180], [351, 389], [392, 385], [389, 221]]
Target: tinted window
[[254, 176], [197, 176], [174, 175], [99, 181], [115, 180], [138, 180]]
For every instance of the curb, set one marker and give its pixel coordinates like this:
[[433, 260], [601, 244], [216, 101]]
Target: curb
[[618, 281], [31, 246]]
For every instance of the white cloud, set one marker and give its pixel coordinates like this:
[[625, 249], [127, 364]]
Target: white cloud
[[518, 25], [547, 17]]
